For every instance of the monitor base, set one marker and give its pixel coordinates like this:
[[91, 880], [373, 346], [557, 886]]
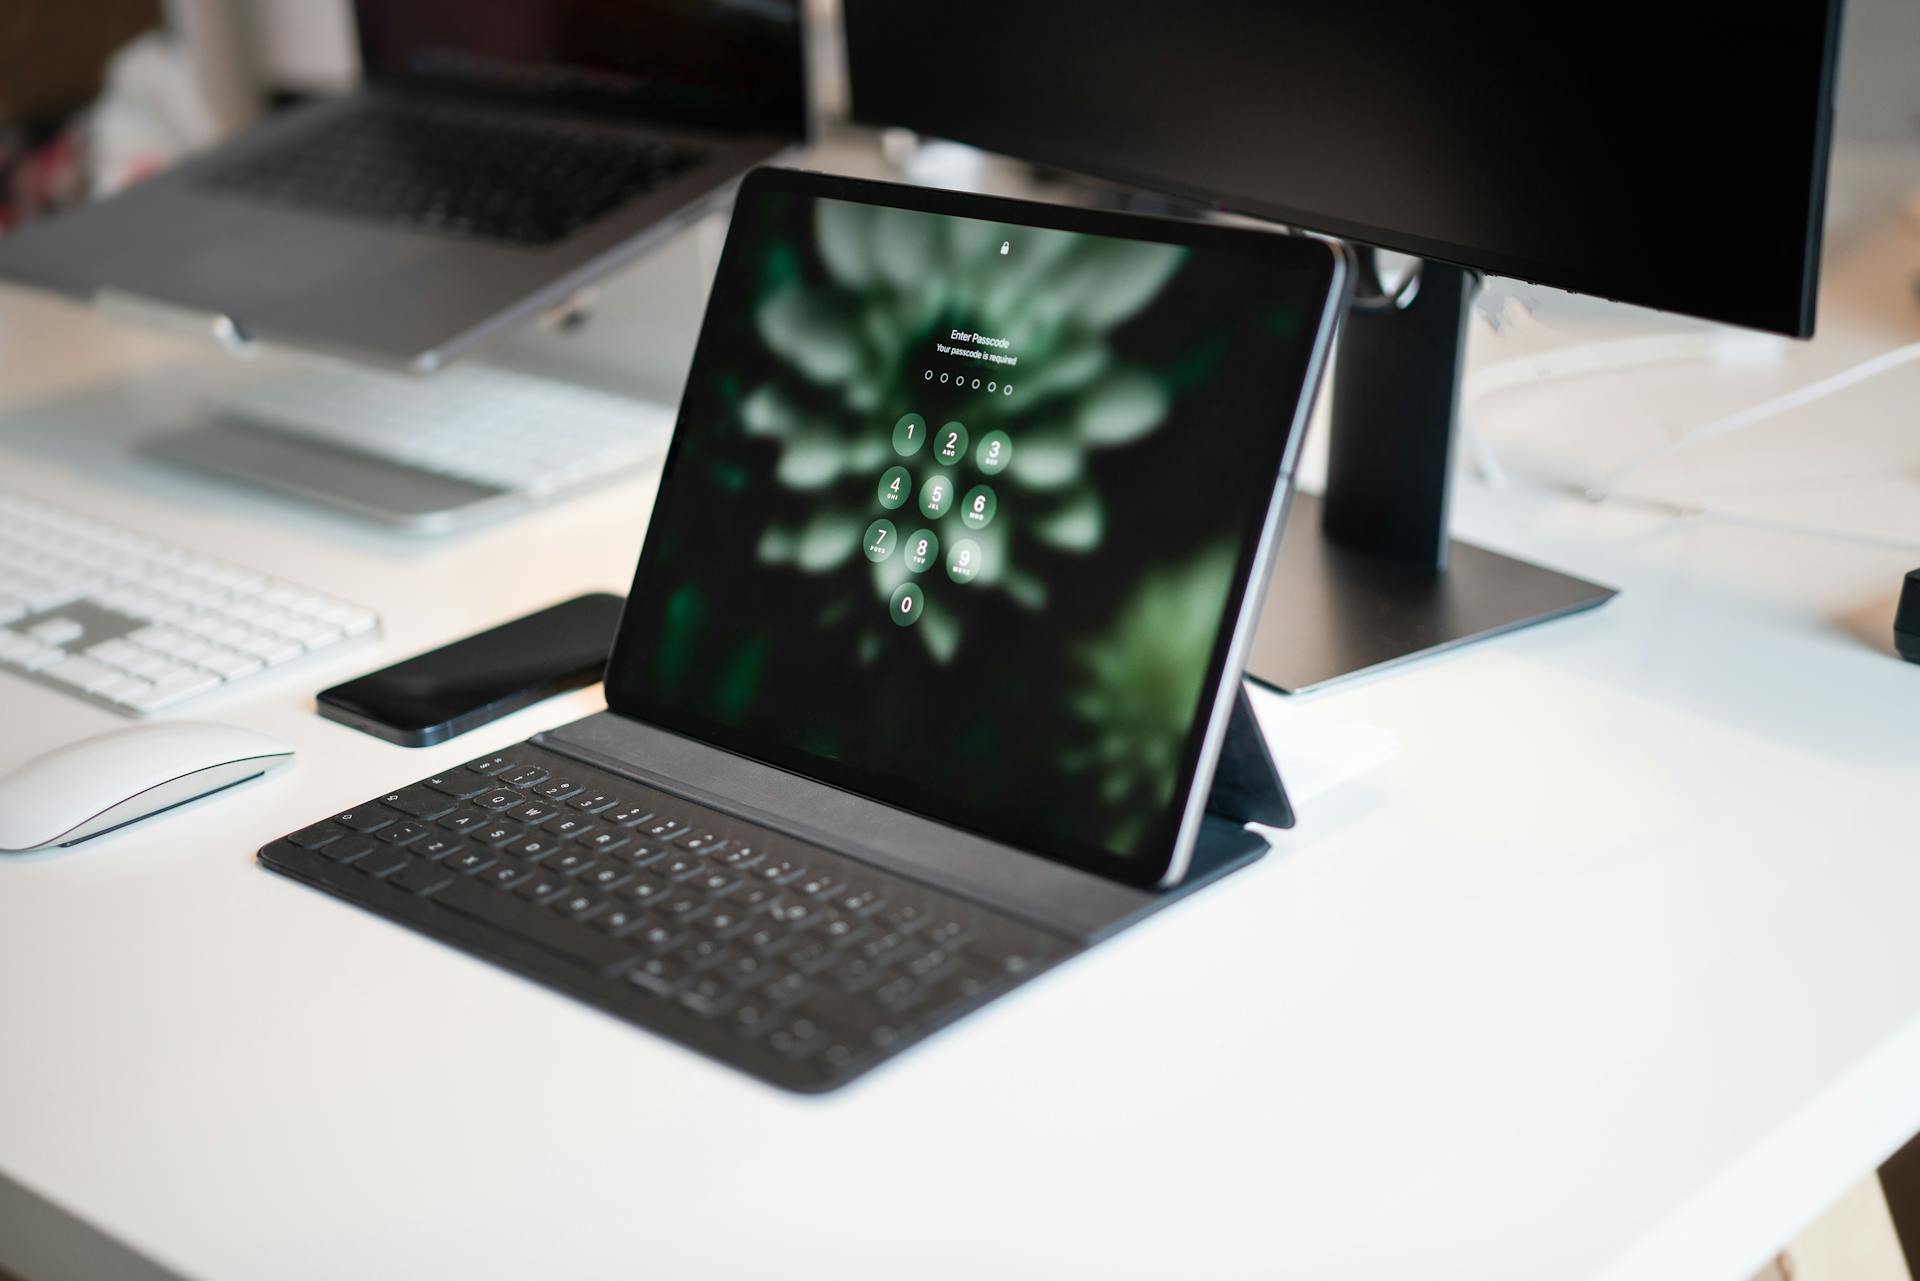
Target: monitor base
[[1332, 612]]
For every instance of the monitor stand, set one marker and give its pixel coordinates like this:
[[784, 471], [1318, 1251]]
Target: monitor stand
[[1367, 575]]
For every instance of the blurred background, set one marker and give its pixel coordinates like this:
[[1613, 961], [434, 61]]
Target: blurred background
[[98, 93]]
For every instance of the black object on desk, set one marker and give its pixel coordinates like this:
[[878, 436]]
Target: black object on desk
[[1906, 619], [443, 693]]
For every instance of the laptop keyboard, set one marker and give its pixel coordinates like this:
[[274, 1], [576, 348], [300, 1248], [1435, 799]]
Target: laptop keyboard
[[799, 965], [436, 169]]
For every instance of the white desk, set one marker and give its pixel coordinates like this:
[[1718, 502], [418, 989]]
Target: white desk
[[1612, 970]]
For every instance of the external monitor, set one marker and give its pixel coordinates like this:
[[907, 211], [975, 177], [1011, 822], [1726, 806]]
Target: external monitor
[[1672, 156]]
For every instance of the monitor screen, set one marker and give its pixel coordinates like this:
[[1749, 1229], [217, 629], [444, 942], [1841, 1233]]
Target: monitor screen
[[1671, 155], [732, 64], [963, 500]]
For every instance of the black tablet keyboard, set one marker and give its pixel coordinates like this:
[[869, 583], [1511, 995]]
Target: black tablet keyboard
[[799, 965], [527, 183]]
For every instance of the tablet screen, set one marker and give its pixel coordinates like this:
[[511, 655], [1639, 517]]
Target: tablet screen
[[960, 509]]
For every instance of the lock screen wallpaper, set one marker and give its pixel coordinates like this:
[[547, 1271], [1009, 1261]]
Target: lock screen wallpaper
[[958, 511]]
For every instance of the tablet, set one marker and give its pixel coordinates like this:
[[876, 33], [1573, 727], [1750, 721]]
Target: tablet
[[969, 506]]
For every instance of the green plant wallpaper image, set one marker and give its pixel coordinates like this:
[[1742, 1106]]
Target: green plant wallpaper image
[[1024, 650]]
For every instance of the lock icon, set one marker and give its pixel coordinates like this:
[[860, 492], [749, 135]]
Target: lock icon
[[1005, 245]]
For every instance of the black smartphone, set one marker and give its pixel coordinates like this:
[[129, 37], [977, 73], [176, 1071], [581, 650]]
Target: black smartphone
[[435, 696]]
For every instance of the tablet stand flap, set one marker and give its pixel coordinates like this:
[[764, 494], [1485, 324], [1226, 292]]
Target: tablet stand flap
[[1246, 782]]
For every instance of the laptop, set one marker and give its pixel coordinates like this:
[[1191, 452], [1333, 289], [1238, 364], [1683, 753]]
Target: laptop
[[929, 677], [501, 154]]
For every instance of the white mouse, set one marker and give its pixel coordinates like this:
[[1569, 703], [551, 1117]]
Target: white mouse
[[98, 784]]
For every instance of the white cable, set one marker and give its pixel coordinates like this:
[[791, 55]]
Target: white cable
[[1575, 360], [1716, 346], [1758, 413]]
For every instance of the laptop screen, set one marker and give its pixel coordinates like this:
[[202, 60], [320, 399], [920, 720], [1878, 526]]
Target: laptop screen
[[960, 509], [727, 64]]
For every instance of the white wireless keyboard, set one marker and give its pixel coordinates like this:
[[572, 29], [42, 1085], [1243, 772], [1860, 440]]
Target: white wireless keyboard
[[138, 625], [507, 431]]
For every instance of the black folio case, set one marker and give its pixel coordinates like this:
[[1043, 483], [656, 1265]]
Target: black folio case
[[1079, 905]]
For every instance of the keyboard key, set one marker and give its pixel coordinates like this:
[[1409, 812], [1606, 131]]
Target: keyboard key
[[794, 913], [725, 922], [401, 833], [708, 996], [169, 690], [543, 885], [900, 918], [347, 848], [83, 674], [753, 898], [382, 861], [899, 995], [57, 631], [591, 802], [571, 827], [703, 842], [420, 876], [810, 956], [659, 938], [842, 931], [579, 904], [524, 776], [419, 801], [646, 889], [498, 833], [500, 799], [786, 989], [882, 948], [537, 846], [558, 789], [679, 867], [780, 872], [640, 854], [948, 932], [605, 840], [365, 818], [459, 783], [469, 861], [489, 765], [683, 906], [506, 874], [573, 861], [768, 940], [439, 847], [796, 1039], [860, 902], [664, 828], [533, 813], [617, 920], [312, 838], [607, 876], [716, 882], [740, 856], [465, 820], [661, 975], [817, 885], [629, 815]]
